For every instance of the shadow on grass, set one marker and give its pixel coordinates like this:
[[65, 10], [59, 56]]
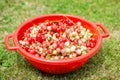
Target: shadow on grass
[[94, 64], [90, 68]]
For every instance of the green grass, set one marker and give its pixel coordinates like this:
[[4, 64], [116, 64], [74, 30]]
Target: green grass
[[105, 65]]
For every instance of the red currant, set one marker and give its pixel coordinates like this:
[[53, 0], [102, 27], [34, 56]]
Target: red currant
[[31, 40], [26, 48], [50, 23], [54, 28], [50, 51], [63, 40], [57, 35], [31, 51], [75, 40], [40, 31], [63, 29], [92, 45], [78, 31], [51, 32], [40, 38], [68, 22], [66, 57], [88, 44], [58, 30], [61, 45], [92, 40], [37, 55]]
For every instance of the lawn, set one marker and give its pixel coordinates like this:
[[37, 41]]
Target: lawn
[[105, 65]]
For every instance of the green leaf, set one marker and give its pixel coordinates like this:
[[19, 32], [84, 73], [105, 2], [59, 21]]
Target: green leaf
[[48, 56]]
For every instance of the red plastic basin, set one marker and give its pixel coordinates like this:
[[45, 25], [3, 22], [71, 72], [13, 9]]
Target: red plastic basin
[[57, 66]]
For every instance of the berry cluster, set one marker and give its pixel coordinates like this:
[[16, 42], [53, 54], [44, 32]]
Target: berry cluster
[[58, 39]]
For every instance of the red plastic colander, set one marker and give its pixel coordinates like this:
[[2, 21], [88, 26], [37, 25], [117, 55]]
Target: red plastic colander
[[56, 66]]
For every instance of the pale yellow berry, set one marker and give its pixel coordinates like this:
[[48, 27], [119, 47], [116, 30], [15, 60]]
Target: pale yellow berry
[[67, 50], [84, 52], [33, 44], [51, 58], [83, 48], [82, 32], [84, 29], [67, 43], [80, 42], [62, 57], [64, 35], [70, 56], [81, 27], [54, 52], [40, 49], [88, 30], [77, 37], [20, 41], [74, 55], [73, 34], [56, 57], [73, 48], [83, 40], [78, 51], [78, 23]]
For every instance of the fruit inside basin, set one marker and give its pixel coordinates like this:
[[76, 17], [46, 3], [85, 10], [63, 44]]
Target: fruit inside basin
[[57, 60]]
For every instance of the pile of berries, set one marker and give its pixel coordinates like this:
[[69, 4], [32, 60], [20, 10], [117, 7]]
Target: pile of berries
[[57, 40]]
